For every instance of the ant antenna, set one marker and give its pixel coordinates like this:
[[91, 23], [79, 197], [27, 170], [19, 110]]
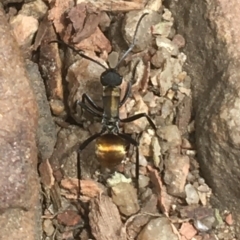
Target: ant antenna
[[133, 43], [78, 52], [93, 60]]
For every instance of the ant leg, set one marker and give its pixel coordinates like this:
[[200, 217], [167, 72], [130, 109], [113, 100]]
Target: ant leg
[[135, 144], [127, 93], [137, 116], [81, 147], [86, 98], [87, 108]]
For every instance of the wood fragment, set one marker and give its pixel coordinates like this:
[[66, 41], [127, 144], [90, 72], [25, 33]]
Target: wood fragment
[[89, 188], [115, 5], [105, 220]]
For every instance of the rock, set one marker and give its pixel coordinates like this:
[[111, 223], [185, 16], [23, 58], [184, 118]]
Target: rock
[[162, 28], [179, 40], [143, 181], [36, 9], [129, 26], [156, 149], [19, 193], [69, 218], [142, 161], [46, 134], [167, 15], [191, 193], [167, 76], [167, 108], [215, 91], [24, 28], [139, 125], [187, 230], [171, 47], [48, 227], [118, 178], [184, 114], [113, 59], [171, 134], [159, 57], [65, 153], [157, 229], [125, 197], [154, 5], [145, 144], [176, 172], [104, 21]]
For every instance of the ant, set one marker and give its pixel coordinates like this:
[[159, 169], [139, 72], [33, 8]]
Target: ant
[[111, 145]]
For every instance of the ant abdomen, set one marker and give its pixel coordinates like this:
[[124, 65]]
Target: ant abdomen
[[110, 150]]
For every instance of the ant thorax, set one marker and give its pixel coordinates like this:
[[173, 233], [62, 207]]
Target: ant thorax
[[111, 101]]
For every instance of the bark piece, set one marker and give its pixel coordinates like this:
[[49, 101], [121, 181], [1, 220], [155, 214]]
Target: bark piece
[[105, 220], [50, 64], [89, 188]]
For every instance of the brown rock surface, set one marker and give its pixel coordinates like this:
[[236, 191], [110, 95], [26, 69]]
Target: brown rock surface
[[19, 192], [211, 30]]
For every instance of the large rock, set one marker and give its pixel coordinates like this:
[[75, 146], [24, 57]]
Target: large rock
[[20, 209], [212, 33]]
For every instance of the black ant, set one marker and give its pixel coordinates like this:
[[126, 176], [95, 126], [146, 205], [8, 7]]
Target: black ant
[[111, 145]]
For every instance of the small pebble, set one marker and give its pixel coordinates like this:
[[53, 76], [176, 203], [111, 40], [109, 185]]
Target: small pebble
[[113, 59], [143, 181], [157, 229], [142, 161], [192, 195], [201, 181], [167, 15], [162, 28], [168, 45], [190, 177], [147, 192], [48, 227], [179, 40]]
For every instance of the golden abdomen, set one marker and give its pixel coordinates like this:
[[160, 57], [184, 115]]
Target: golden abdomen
[[110, 150]]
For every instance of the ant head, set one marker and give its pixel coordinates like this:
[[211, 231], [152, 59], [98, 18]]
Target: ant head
[[111, 78]]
